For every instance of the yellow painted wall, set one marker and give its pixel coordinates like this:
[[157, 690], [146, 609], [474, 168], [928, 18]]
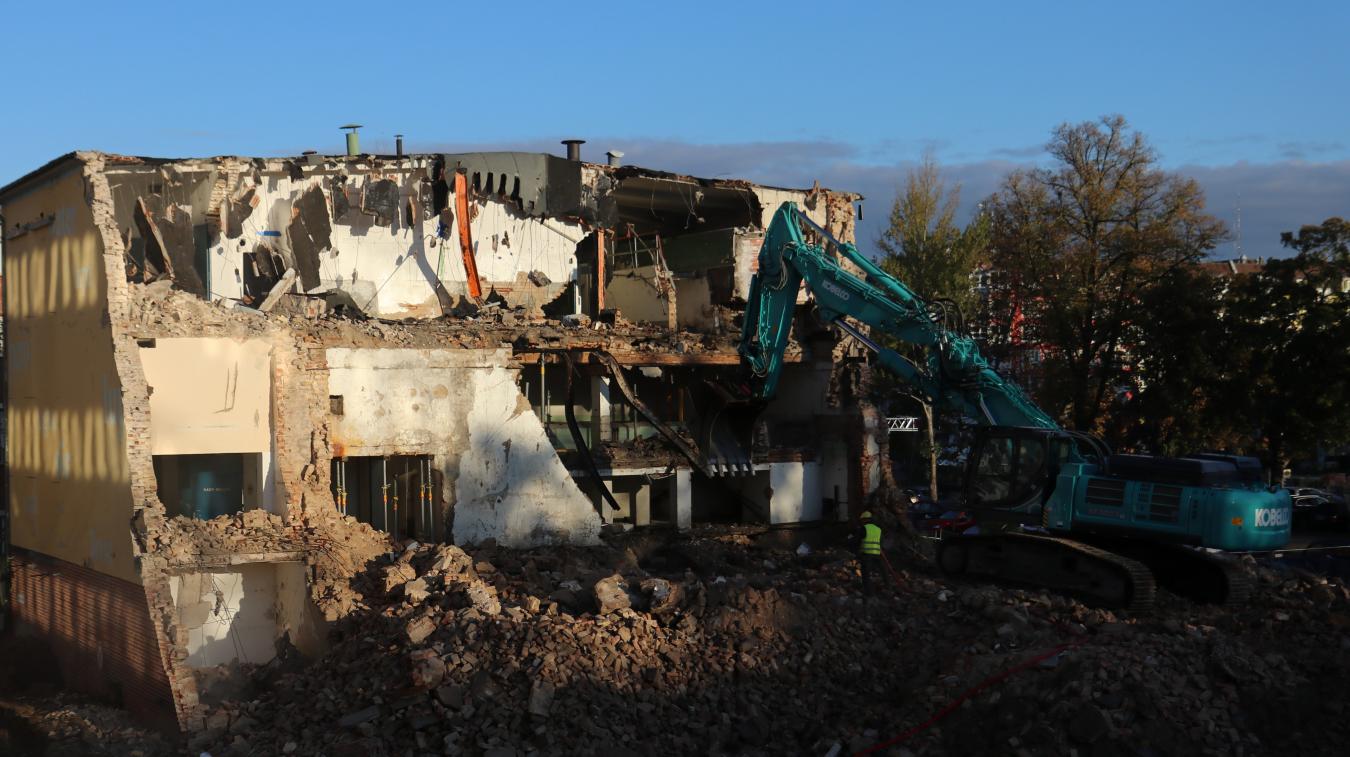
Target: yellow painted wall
[[70, 494]]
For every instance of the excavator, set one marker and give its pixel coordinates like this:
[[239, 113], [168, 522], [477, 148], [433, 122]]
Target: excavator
[[1053, 507]]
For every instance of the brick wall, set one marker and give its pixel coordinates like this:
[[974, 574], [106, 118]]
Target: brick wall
[[98, 628]]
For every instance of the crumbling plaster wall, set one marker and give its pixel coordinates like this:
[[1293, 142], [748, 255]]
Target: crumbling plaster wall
[[503, 479], [147, 517], [298, 411], [389, 265]]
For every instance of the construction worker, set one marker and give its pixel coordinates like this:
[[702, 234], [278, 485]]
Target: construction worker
[[868, 537]]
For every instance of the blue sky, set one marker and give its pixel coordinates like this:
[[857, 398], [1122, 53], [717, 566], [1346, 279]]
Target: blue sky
[[1249, 97]]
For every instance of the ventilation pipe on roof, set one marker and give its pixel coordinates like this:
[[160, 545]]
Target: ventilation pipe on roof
[[574, 148], [353, 140], [398, 145], [615, 158]]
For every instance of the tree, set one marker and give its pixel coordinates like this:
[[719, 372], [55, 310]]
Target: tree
[[1176, 408], [1288, 331], [924, 246], [935, 257], [1077, 244]]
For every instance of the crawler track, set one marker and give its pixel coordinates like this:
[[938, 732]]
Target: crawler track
[[1059, 564], [1195, 574]]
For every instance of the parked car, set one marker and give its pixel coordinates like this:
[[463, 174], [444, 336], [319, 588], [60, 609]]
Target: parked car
[[1315, 508]]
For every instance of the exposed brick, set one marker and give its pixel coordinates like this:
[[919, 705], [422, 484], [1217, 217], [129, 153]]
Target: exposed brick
[[99, 629]]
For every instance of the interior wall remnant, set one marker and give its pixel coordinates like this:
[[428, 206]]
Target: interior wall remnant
[[238, 614], [380, 199], [239, 209], [501, 477], [171, 239], [208, 395]]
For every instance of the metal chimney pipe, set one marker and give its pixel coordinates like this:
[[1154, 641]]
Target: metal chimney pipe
[[574, 148], [353, 141], [615, 158], [398, 145]]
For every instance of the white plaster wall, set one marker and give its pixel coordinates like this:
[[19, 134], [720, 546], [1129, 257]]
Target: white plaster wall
[[745, 253], [402, 401], [503, 478], [296, 613], [209, 395], [229, 614], [796, 492], [390, 270], [511, 485]]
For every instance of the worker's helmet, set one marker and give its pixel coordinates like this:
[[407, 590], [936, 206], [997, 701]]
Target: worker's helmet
[[866, 515]]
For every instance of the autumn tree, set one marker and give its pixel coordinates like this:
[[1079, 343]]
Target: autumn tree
[[925, 247], [1079, 241]]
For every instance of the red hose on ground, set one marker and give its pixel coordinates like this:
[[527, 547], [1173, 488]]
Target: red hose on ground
[[965, 695]]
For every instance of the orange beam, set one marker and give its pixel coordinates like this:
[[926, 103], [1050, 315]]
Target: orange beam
[[465, 240], [599, 271]]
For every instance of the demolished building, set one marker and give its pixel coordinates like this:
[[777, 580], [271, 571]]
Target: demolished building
[[230, 380]]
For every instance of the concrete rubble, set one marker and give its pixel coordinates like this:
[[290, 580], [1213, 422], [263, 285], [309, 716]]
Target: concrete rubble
[[729, 641]]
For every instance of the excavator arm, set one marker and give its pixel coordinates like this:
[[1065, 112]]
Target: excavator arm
[[1101, 526], [955, 375]]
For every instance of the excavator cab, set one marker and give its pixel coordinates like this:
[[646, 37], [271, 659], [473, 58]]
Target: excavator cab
[[1011, 473]]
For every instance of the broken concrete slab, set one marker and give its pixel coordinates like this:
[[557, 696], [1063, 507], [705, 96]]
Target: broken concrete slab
[[419, 628], [541, 698], [397, 575], [240, 208], [380, 199], [310, 233]]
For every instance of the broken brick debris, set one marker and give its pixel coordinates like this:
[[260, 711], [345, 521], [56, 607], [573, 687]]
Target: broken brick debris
[[733, 643]]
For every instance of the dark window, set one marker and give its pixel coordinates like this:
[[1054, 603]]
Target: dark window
[[399, 495], [200, 486]]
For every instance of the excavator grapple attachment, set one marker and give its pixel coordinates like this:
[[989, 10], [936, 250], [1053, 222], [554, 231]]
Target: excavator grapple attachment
[[723, 426]]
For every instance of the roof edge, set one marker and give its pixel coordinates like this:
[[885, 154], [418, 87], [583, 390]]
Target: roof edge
[[37, 173]]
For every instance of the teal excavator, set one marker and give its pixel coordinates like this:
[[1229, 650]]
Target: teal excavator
[[1052, 507]]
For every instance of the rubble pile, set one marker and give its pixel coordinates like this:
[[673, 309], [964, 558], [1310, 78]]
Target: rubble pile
[[336, 548], [169, 312], [68, 726], [725, 643], [250, 531], [38, 718]]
